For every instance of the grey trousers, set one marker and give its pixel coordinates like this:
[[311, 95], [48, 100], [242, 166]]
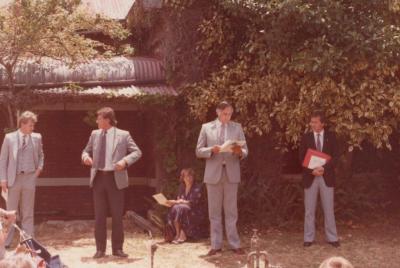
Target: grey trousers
[[310, 204], [223, 195], [21, 197]]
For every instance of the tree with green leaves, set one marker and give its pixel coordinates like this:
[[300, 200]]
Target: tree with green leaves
[[37, 29], [278, 60]]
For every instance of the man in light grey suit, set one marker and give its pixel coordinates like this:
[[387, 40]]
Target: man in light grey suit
[[109, 152], [21, 162], [222, 176]]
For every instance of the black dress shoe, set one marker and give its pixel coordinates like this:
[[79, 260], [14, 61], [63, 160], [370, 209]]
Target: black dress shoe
[[99, 254], [120, 253], [213, 252], [238, 251], [335, 244], [307, 244]]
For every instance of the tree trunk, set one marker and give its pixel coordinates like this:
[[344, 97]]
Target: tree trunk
[[11, 109], [11, 117]]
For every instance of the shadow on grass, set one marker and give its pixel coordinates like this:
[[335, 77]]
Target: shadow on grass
[[109, 259], [226, 259]]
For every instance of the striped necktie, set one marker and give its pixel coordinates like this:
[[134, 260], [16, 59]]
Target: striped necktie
[[319, 147], [221, 138], [24, 141]]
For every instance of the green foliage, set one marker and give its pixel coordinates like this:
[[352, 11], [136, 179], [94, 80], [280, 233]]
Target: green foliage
[[293, 56], [41, 28], [178, 5], [90, 119], [371, 194], [276, 61]]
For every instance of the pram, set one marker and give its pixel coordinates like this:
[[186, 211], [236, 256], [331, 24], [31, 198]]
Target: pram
[[39, 251]]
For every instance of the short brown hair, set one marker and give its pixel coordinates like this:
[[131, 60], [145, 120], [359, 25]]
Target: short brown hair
[[320, 114], [223, 105], [108, 113], [27, 116]]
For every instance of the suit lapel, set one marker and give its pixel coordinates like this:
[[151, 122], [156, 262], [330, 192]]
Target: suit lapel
[[35, 147], [33, 140], [115, 140], [312, 141], [96, 144], [214, 130], [326, 142], [16, 144]]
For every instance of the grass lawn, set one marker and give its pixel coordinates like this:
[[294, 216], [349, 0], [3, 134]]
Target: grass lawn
[[374, 244]]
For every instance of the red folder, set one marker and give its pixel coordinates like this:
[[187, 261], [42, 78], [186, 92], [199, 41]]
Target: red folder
[[310, 153]]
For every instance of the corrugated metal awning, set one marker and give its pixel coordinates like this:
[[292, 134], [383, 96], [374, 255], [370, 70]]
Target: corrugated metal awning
[[117, 70], [119, 92], [112, 9]]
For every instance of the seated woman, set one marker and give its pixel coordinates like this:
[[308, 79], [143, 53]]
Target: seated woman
[[186, 214]]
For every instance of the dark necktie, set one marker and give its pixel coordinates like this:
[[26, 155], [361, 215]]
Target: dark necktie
[[319, 147], [102, 151]]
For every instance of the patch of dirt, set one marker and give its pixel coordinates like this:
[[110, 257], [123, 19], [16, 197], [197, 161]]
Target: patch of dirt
[[367, 245]]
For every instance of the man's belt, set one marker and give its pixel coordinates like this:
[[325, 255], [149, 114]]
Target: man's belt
[[105, 172]]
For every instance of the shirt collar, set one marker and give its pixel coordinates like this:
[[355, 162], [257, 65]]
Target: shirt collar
[[219, 123], [21, 135], [109, 130], [320, 133]]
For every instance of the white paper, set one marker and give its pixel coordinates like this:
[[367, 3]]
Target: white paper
[[4, 195], [316, 161], [229, 144], [161, 199]]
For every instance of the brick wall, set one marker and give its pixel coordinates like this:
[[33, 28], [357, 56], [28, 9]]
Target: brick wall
[[65, 134]]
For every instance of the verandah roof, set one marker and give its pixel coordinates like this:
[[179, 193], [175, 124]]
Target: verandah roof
[[115, 77]]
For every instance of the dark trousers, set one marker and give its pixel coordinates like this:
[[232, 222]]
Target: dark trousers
[[106, 196]]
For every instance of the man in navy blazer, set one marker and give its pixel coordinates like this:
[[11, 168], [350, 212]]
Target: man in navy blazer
[[320, 180]]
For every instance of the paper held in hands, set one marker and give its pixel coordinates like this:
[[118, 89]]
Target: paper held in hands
[[314, 159], [161, 199], [229, 144]]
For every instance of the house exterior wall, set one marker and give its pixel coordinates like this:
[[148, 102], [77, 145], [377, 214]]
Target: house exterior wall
[[65, 134]]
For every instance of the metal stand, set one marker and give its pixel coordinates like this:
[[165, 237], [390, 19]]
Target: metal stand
[[256, 257]]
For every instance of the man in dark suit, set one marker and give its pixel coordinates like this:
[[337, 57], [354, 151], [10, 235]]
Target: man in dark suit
[[319, 180], [109, 152]]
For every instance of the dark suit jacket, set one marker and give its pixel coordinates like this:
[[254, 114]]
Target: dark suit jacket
[[329, 147]]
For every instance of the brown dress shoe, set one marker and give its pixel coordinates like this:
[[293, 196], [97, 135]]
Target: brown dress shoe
[[99, 254], [120, 253], [239, 251], [334, 244], [307, 244], [213, 252]]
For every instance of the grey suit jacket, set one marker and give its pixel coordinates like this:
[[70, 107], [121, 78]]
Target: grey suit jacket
[[123, 148], [8, 155], [207, 139]]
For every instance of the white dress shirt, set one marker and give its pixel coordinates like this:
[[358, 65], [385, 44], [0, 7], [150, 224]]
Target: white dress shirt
[[321, 139], [109, 147]]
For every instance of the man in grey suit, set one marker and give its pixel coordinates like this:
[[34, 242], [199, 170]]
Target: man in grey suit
[[109, 152], [21, 162], [222, 176]]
